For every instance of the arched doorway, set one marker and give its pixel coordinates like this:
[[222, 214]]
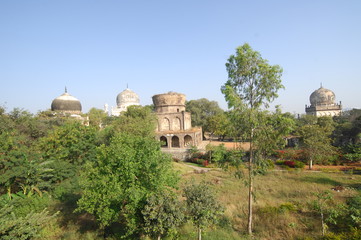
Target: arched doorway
[[187, 141], [175, 142], [163, 142]]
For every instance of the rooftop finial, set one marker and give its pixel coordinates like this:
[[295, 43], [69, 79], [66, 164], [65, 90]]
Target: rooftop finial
[[66, 90]]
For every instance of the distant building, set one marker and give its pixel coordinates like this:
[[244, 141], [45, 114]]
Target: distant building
[[323, 103], [174, 126], [67, 105], [124, 100]]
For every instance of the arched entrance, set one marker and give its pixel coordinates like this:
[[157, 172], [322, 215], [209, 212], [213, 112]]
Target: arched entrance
[[163, 142], [175, 142], [187, 141]]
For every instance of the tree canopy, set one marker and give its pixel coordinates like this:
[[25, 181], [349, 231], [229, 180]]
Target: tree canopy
[[252, 84], [124, 173]]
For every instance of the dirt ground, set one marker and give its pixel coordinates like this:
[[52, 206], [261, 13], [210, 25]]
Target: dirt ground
[[346, 167]]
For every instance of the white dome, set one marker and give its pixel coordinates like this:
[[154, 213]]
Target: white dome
[[322, 96], [127, 98]]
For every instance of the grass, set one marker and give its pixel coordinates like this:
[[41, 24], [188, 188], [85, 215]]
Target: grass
[[281, 210], [272, 191]]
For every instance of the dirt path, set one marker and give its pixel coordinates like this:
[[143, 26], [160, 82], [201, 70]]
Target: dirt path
[[199, 169]]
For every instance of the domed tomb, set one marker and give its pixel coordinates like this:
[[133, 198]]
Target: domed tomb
[[322, 96], [323, 103], [66, 103], [124, 100], [127, 98]]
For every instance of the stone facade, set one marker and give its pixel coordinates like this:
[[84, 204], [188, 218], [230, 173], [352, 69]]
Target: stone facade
[[174, 126], [323, 103]]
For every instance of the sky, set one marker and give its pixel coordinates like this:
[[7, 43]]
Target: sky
[[98, 48]]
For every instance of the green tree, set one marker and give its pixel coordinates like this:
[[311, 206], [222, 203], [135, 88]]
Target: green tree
[[97, 117], [321, 206], [252, 84], [202, 206], [124, 173], [68, 147], [219, 125], [162, 214], [137, 120], [316, 140], [201, 110]]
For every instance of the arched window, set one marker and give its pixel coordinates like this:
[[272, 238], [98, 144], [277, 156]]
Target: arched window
[[175, 142], [176, 124], [165, 126], [163, 141], [187, 140]]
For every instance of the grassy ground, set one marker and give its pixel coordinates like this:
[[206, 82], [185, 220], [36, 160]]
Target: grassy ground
[[281, 211], [282, 200]]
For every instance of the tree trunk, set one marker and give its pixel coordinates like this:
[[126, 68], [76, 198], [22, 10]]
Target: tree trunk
[[158, 237], [250, 186], [199, 234], [310, 165], [323, 224]]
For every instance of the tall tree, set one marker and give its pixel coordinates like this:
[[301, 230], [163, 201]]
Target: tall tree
[[252, 84]]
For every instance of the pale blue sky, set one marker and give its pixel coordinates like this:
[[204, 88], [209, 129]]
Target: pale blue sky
[[96, 48]]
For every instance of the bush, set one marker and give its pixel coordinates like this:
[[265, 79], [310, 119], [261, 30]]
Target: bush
[[352, 157], [299, 164], [290, 164]]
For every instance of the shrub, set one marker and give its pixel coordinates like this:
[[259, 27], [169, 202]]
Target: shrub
[[205, 163], [352, 157], [280, 162], [290, 164], [299, 164]]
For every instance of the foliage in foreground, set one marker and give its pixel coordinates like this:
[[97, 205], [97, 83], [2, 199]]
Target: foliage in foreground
[[162, 214], [22, 228], [122, 176], [202, 207]]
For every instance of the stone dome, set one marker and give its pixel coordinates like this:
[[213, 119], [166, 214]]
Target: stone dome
[[66, 103], [127, 98], [322, 96]]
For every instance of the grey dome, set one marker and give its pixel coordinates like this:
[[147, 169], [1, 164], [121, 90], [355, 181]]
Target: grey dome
[[322, 96], [66, 103]]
